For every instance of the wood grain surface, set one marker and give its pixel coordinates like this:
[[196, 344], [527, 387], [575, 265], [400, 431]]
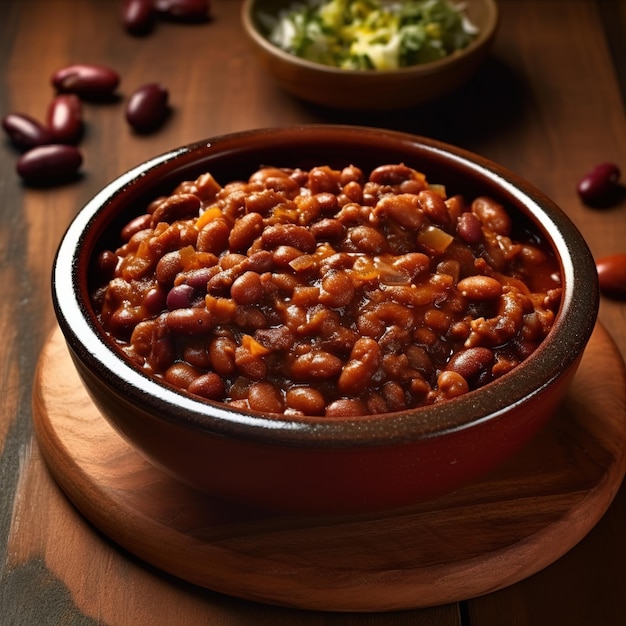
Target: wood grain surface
[[548, 104]]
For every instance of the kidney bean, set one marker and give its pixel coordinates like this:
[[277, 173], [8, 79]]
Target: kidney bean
[[209, 385], [25, 132], [214, 236], [49, 164], [346, 407], [148, 108], [265, 397], [88, 81], [179, 207], [599, 187], [316, 364], [404, 209], [471, 363], [480, 287], [365, 359], [469, 227], [245, 231], [183, 10], [434, 206], [65, 118], [306, 400], [138, 16], [247, 288], [180, 297], [189, 321], [612, 275], [452, 384], [493, 215]]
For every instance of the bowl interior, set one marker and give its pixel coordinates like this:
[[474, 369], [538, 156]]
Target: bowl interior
[[235, 157], [483, 14]]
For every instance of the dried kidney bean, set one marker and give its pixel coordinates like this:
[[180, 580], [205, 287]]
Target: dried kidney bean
[[612, 275], [183, 10], [285, 293], [86, 80], [138, 16], [65, 118], [599, 187], [148, 108], [49, 164], [25, 132]]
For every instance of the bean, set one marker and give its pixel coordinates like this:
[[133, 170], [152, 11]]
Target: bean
[[265, 397], [136, 225], [247, 289], [492, 214], [65, 118], [600, 186], [208, 385], [434, 206], [366, 239], [365, 359], [88, 81], [245, 231], [480, 287], [148, 108], [49, 164], [189, 321], [471, 363], [289, 235], [337, 289], [25, 132], [222, 355], [612, 275], [138, 16], [316, 364], [346, 407], [181, 374], [391, 174], [179, 207], [306, 400], [180, 297], [183, 10], [469, 227], [214, 236], [155, 299], [452, 384], [405, 209]]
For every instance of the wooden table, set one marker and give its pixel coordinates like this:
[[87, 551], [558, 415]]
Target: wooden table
[[549, 104]]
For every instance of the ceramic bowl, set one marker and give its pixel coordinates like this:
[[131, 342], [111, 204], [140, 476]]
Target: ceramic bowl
[[369, 90], [317, 465]]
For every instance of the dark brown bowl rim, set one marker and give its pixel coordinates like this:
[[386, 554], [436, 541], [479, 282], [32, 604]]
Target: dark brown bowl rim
[[552, 359]]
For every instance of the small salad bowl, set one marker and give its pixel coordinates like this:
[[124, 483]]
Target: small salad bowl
[[381, 89]]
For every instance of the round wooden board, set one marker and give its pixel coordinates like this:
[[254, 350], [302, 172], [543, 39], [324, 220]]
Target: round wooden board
[[476, 540]]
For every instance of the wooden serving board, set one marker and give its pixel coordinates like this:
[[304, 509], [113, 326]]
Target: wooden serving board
[[476, 540]]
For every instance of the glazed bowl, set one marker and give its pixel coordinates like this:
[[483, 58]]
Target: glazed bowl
[[368, 90], [308, 464]]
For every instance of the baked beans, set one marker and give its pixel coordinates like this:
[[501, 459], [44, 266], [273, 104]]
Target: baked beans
[[326, 292]]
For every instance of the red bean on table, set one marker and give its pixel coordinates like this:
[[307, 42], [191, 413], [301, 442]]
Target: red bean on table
[[25, 131], [183, 10], [147, 107], [138, 16], [49, 164], [86, 80], [612, 275], [599, 185], [65, 118]]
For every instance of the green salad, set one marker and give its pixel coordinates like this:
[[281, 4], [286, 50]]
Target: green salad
[[371, 34]]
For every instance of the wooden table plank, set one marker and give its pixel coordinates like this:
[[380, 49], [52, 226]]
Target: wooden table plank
[[549, 104]]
